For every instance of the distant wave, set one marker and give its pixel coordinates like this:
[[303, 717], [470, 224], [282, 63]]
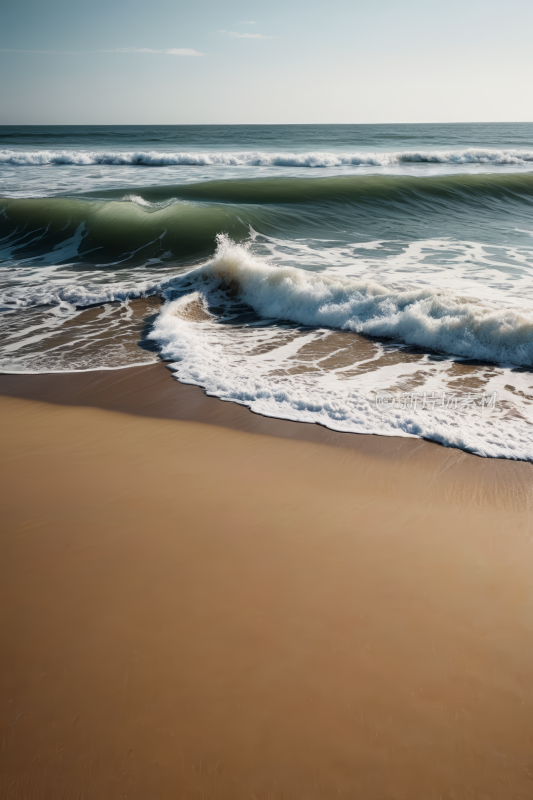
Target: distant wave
[[263, 159], [460, 188]]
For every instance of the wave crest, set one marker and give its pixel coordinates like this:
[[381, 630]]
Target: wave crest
[[317, 159], [431, 318]]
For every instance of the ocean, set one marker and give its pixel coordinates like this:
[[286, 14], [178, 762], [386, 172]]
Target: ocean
[[369, 278]]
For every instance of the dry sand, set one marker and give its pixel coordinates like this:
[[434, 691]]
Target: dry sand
[[195, 604]]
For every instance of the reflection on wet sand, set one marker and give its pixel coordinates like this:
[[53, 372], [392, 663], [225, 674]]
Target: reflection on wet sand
[[105, 335]]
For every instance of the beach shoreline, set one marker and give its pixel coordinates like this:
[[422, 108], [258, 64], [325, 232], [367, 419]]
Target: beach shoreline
[[152, 391], [198, 601]]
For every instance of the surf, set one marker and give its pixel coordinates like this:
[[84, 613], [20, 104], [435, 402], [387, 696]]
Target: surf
[[291, 344], [432, 317], [310, 160]]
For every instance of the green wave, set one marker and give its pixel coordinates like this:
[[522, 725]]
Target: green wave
[[182, 222], [352, 188], [111, 229]]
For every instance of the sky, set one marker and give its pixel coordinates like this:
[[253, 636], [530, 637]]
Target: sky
[[205, 62]]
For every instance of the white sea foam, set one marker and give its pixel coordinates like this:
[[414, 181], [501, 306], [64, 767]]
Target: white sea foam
[[270, 368], [78, 295], [317, 159], [244, 366], [477, 325], [429, 317], [140, 201]]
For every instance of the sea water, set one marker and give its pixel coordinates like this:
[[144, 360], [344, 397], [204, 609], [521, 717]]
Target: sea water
[[370, 278]]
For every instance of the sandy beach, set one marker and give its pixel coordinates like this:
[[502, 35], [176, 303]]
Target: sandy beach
[[199, 602]]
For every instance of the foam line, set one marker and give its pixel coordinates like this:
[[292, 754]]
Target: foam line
[[315, 159], [433, 318]]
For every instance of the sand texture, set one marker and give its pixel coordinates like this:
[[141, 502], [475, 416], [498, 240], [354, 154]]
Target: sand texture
[[196, 604]]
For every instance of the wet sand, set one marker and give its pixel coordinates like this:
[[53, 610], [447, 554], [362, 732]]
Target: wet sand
[[198, 602]]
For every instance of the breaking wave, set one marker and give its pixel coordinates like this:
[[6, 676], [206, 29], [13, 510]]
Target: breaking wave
[[432, 318], [307, 375], [514, 157]]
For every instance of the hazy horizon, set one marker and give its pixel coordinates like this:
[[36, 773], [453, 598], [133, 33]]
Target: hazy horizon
[[252, 124], [249, 63]]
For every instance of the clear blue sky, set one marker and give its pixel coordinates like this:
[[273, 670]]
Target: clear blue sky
[[353, 62]]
